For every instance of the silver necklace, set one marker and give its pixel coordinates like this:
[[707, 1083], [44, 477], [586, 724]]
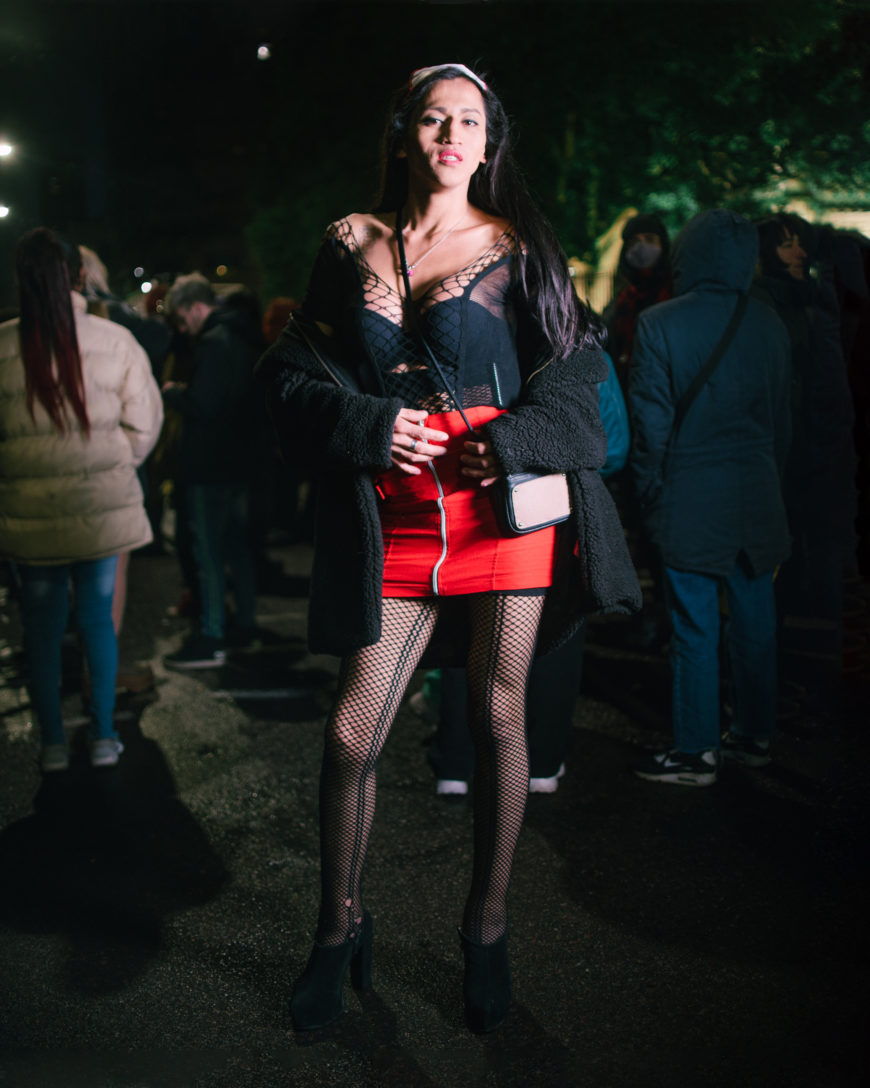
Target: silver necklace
[[443, 238]]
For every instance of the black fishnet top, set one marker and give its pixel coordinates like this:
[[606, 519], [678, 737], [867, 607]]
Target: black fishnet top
[[471, 320]]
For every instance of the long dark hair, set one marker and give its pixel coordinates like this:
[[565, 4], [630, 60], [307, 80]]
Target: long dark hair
[[772, 231], [497, 188], [47, 328]]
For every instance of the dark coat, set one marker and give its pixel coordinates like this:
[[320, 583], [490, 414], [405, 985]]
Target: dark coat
[[344, 436], [222, 408], [819, 483], [716, 493]]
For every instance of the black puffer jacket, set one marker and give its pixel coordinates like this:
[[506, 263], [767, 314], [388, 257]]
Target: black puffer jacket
[[344, 436]]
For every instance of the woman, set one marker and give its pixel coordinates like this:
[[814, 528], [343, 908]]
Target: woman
[[407, 537], [79, 410]]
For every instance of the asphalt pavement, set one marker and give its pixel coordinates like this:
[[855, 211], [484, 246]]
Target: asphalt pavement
[[154, 915]]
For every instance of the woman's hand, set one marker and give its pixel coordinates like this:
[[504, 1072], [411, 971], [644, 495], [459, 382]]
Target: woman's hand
[[480, 462], [413, 442]]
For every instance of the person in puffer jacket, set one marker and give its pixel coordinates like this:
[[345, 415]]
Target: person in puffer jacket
[[79, 410]]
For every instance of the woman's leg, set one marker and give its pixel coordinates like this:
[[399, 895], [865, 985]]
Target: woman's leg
[[94, 583], [44, 612], [504, 633], [371, 686]]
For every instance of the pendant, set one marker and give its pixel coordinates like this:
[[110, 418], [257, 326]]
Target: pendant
[[410, 271]]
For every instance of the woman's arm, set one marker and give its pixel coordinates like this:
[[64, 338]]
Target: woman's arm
[[319, 422], [556, 426]]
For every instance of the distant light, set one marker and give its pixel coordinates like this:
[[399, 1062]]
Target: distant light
[[146, 287], [139, 272], [5, 149], [264, 51], [221, 270], [4, 211]]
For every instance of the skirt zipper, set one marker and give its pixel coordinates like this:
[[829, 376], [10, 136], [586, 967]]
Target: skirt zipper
[[443, 529]]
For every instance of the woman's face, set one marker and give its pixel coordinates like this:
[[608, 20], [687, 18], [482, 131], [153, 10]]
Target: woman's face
[[446, 141], [792, 256]]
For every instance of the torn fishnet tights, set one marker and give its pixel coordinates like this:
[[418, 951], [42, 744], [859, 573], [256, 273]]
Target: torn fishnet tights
[[371, 686]]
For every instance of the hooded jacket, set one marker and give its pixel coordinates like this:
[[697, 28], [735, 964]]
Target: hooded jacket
[[72, 497], [714, 493]]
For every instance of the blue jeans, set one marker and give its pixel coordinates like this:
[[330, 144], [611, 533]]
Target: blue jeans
[[218, 519], [750, 639], [44, 614]]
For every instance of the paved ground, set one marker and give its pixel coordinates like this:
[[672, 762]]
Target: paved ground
[[153, 916]]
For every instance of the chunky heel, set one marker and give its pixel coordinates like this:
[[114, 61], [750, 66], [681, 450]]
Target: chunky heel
[[487, 984], [361, 960], [318, 996]]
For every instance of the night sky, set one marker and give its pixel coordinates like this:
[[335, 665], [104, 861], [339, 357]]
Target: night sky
[[151, 131]]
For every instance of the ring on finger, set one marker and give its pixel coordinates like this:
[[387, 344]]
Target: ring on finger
[[413, 444]]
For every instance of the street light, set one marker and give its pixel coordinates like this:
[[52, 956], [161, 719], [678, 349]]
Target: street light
[[4, 211], [6, 149]]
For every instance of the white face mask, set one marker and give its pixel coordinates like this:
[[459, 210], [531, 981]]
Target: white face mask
[[643, 254]]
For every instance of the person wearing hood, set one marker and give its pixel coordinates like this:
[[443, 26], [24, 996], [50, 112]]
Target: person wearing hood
[[219, 438], [645, 264], [711, 492]]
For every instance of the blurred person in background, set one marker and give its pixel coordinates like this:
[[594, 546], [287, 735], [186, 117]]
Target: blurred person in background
[[155, 337], [221, 432], [819, 484], [710, 491], [646, 279], [645, 273], [79, 411]]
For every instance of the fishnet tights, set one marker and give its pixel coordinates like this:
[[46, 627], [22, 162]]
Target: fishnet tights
[[372, 683]]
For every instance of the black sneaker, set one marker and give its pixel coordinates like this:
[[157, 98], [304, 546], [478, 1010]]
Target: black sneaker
[[199, 652], [752, 752], [680, 768]]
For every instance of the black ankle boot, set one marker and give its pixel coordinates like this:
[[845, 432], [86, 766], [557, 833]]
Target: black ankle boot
[[318, 996], [487, 984]]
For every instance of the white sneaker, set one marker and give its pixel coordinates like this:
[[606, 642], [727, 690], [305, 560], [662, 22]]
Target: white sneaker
[[448, 786], [546, 785], [54, 757], [105, 752]]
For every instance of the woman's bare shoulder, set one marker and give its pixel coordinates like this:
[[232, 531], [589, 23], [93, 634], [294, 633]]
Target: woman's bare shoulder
[[369, 227]]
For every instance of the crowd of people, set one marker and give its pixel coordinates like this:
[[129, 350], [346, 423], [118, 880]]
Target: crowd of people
[[705, 428]]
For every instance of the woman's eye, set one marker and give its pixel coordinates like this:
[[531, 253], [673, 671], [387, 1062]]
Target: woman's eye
[[470, 121], [430, 120]]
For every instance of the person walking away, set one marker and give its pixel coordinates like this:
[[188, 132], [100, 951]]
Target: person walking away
[[79, 411]]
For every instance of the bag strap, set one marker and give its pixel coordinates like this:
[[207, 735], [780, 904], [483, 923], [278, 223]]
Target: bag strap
[[705, 373], [414, 321], [303, 332]]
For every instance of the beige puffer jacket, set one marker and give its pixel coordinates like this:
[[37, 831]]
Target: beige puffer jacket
[[65, 498]]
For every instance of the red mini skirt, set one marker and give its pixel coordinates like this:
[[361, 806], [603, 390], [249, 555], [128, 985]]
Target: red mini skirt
[[441, 536]]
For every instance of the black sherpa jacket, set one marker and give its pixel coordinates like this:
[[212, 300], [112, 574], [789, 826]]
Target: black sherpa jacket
[[343, 436]]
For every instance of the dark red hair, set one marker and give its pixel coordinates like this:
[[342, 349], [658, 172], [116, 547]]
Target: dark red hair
[[47, 327]]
